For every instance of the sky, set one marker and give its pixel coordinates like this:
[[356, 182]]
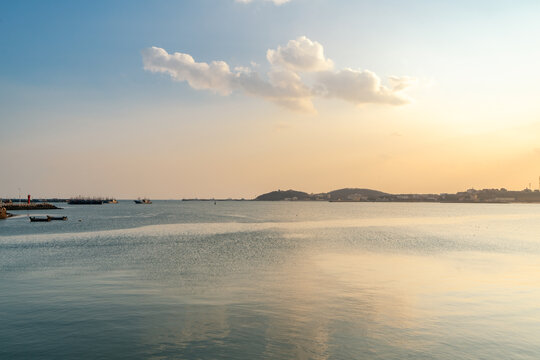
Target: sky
[[225, 98]]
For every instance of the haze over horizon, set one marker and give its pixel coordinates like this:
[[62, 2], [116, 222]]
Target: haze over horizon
[[225, 98]]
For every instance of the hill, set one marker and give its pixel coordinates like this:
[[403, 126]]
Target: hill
[[283, 195], [348, 194], [354, 194]]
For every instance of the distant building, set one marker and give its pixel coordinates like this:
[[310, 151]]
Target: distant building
[[504, 199], [357, 197]]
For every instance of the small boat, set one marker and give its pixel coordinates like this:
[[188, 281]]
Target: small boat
[[142, 201], [57, 217], [39, 219]]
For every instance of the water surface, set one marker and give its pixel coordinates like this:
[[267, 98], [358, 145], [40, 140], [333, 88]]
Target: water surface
[[309, 280]]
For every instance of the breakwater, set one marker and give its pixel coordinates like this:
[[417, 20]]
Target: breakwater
[[31, 206]]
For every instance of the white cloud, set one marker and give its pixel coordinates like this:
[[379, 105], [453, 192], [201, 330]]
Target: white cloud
[[182, 67], [283, 87], [301, 55], [283, 84], [361, 87], [401, 82]]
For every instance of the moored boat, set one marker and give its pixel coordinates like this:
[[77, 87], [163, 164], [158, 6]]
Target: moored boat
[[39, 219], [57, 217]]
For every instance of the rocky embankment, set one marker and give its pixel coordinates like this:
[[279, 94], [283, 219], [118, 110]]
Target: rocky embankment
[[4, 214], [32, 206]]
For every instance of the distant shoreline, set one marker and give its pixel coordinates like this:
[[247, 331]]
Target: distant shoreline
[[484, 196], [470, 196]]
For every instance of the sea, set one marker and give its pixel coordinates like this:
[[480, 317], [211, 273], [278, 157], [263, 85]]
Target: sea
[[272, 280]]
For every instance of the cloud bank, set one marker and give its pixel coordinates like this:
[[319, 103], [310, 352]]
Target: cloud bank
[[285, 83]]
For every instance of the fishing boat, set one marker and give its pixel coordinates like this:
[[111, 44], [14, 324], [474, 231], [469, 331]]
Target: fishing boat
[[39, 219], [142, 201], [57, 217]]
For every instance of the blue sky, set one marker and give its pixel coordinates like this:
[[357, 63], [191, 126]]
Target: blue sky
[[93, 44], [88, 44], [70, 68]]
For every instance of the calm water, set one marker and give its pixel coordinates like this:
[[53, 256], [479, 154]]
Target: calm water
[[255, 280]]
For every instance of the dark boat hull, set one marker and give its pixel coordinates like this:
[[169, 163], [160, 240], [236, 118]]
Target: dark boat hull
[[85, 202], [57, 217], [47, 218], [36, 219]]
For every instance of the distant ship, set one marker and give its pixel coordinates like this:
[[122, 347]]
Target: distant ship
[[142, 201], [85, 201]]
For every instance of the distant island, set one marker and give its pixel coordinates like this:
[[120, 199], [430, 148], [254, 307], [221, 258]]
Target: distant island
[[367, 195]]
